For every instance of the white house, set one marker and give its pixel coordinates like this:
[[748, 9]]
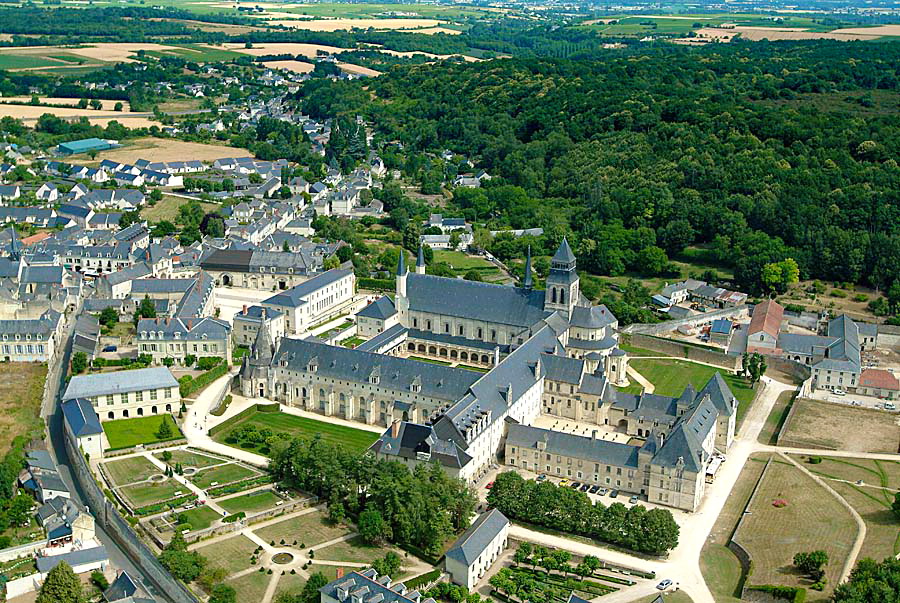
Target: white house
[[473, 554]]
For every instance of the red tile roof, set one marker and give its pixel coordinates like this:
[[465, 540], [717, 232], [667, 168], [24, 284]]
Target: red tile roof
[[767, 317], [879, 378], [35, 238]]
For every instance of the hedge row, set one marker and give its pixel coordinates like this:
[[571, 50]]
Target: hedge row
[[234, 517], [189, 386], [378, 284], [424, 579], [788, 593], [231, 421], [240, 486], [169, 504]]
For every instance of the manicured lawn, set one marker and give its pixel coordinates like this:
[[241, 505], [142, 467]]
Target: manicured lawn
[[813, 519], [720, 567], [309, 529], [250, 503], [149, 493], [774, 422], [232, 554], [251, 587], [872, 500], [200, 518], [462, 263], [429, 360], [290, 583], [130, 470], [125, 433], [21, 389], [671, 377], [188, 458], [303, 427], [817, 424], [636, 352], [354, 549], [477, 369], [223, 474]]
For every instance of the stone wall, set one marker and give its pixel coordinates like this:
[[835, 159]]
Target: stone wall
[[680, 349]]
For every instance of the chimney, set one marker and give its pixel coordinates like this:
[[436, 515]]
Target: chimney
[[395, 428], [244, 310], [167, 320], [340, 573], [190, 323], [594, 434]]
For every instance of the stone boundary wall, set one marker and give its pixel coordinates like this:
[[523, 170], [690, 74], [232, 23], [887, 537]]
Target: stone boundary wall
[[685, 351]]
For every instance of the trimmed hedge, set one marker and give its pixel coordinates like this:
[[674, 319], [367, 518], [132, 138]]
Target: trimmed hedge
[[188, 386], [788, 593], [380, 284], [231, 421], [234, 517], [169, 504], [415, 583], [240, 486], [222, 407]]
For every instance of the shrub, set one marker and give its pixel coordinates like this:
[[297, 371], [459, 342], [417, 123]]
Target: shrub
[[860, 297], [838, 293], [234, 517], [208, 362], [99, 580], [815, 460], [796, 308]]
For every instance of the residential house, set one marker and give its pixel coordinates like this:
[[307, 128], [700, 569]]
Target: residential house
[[126, 394], [472, 555]]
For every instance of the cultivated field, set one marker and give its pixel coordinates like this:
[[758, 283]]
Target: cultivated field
[[107, 105], [780, 33], [31, 113], [347, 437], [812, 519], [295, 66], [308, 529], [313, 50], [345, 24], [168, 149], [130, 470], [871, 498], [125, 433], [358, 69], [21, 388], [816, 424]]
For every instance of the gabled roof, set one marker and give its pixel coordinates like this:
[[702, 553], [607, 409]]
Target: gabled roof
[[296, 296], [564, 254], [88, 386], [380, 309], [477, 537], [81, 418], [767, 318]]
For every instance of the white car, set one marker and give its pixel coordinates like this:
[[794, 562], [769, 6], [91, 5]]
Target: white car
[[840, 392], [664, 585], [855, 403]]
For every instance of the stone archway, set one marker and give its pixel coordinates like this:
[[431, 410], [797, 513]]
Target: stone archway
[[226, 280]]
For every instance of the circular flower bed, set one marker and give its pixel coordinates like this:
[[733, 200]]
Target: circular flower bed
[[282, 558]]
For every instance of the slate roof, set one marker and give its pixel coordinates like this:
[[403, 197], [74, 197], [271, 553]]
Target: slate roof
[[89, 386], [590, 449], [477, 537], [562, 368], [720, 394], [189, 329], [396, 333], [367, 587], [380, 309], [125, 589], [160, 285], [413, 440], [74, 558], [296, 296], [564, 254], [437, 381], [80, 415], [473, 300], [591, 317]]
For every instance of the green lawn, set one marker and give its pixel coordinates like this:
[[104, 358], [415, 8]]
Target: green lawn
[[223, 474], [200, 518], [429, 360], [191, 459], [462, 263], [125, 433], [769, 433], [232, 554], [130, 470], [250, 503], [279, 422], [308, 529], [290, 583], [354, 549], [149, 493], [671, 377]]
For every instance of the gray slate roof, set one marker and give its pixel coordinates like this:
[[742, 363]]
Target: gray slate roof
[[380, 309], [80, 415], [74, 558], [576, 446], [296, 296], [89, 386], [477, 537]]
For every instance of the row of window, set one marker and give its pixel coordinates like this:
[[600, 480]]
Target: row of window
[[126, 397], [24, 349]]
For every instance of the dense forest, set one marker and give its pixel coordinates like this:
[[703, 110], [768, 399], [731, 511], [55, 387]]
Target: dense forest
[[727, 146]]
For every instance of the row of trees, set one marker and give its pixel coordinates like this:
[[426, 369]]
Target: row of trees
[[421, 508], [546, 504]]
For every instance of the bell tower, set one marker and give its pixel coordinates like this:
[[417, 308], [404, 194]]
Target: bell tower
[[562, 283]]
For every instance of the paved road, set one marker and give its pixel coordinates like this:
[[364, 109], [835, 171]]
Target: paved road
[[57, 449]]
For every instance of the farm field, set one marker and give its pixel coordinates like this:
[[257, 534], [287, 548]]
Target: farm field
[[872, 499], [231, 554], [21, 389], [462, 263], [347, 437], [720, 567], [31, 113], [311, 50], [125, 433], [149, 493], [358, 69], [812, 519], [295, 66], [671, 377], [816, 424], [191, 459], [308, 529], [168, 149], [253, 502], [107, 105], [130, 470], [223, 474], [199, 518]]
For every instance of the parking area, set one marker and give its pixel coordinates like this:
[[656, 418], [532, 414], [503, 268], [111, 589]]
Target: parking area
[[851, 399]]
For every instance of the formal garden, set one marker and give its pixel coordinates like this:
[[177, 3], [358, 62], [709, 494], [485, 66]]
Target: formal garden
[[127, 433]]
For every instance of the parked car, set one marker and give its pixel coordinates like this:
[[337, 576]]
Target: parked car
[[602, 492], [633, 499], [840, 392], [585, 487], [664, 585], [594, 489], [563, 483], [109, 348], [855, 403], [542, 477], [489, 486], [575, 485], [889, 406], [614, 494]]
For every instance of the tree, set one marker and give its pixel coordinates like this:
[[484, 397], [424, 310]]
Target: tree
[[181, 563], [372, 527], [652, 260], [79, 362], [83, 103], [310, 592], [147, 309], [118, 107], [871, 581], [811, 563], [777, 276], [109, 317], [222, 593], [99, 580], [166, 456], [96, 104], [454, 240], [164, 432], [61, 586], [331, 262], [473, 275], [336, 511]]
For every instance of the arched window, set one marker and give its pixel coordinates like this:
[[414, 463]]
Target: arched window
[[553, 295], [562, 296], [110, 415]]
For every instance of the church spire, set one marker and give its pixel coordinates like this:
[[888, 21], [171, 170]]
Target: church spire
[[401, 264], [420, 261], [528, 282]]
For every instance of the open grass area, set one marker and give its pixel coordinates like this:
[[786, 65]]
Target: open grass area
[[720, 567], [872, 499], [130, 470], [429, 360], [199, 518], [636, 352], [251, 587], [303, 427], [824, 425], [775, 421], [290, 583], [223, 474], [671, 377], [813, 519], [232, 554], [149, 493], [354, 549], [462, 263], [21, 389], [125, 433], [167, 209], [253, 502], [308, 529], [191, 459]]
